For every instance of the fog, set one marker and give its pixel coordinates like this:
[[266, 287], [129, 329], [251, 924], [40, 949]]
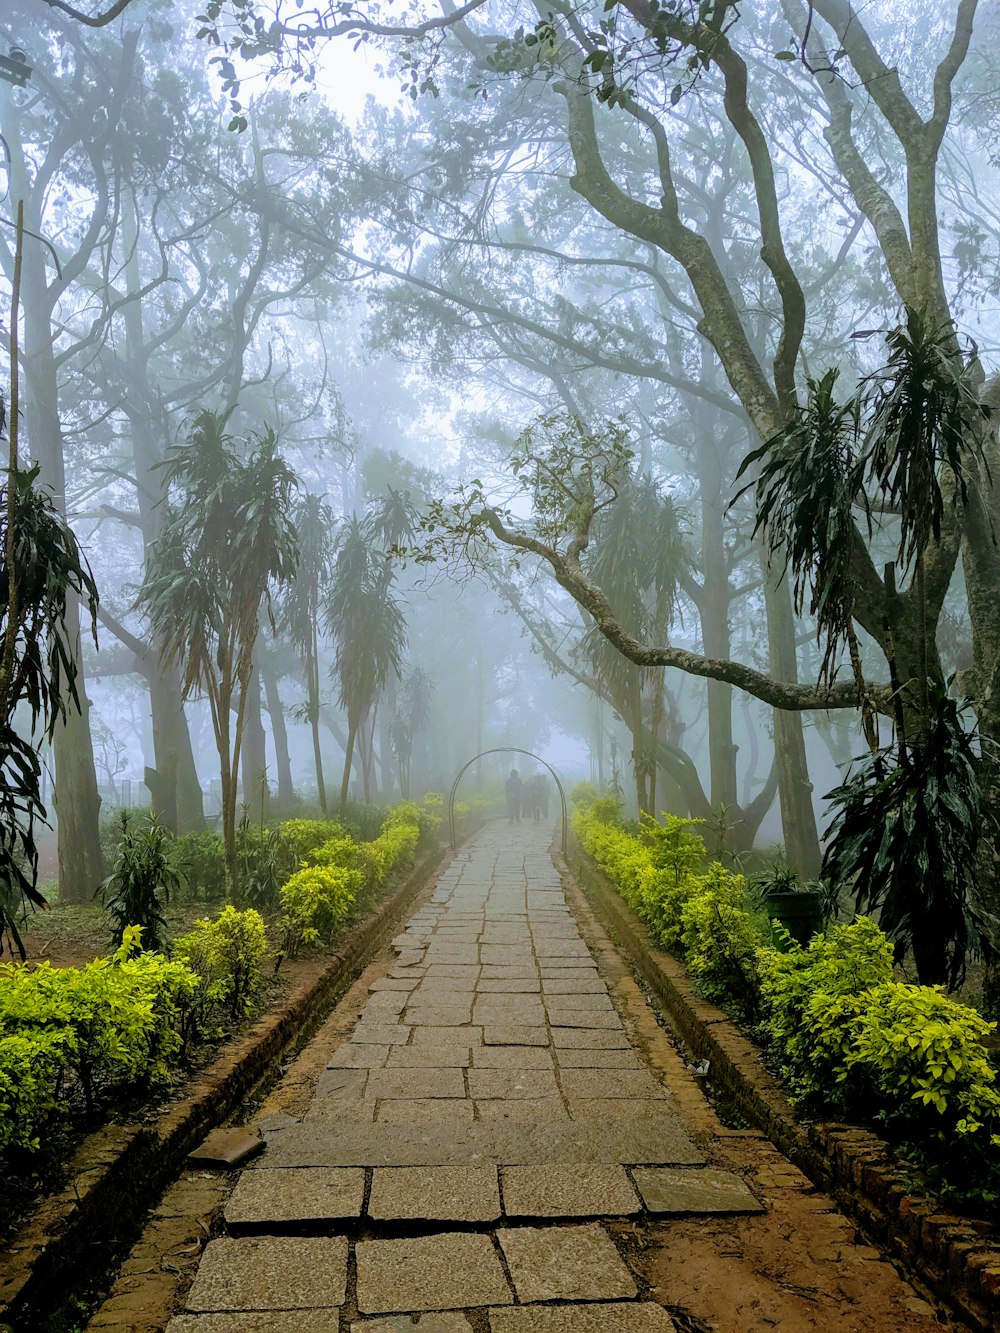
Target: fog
[[486, 309]]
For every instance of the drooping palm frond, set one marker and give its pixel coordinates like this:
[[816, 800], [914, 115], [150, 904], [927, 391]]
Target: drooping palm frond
[[809, 482], [923, 431]]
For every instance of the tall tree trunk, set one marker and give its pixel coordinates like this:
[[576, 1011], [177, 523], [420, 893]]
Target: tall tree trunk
[[173, 784], [279, 731], [77, 800], [798, 818], [254, 749], [345, 783]]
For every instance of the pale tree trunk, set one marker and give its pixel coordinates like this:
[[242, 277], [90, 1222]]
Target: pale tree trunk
[[279, 731], [253, 750]]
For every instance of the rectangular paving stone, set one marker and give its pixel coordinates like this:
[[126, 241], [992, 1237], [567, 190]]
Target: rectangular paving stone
[[550, 967], [434, 1194], [445, 1271], [269, 1199], [330, 1111], [441, 1017], [438, 1056], [396, 1084], [706, 1191], [271, 1273], [453, 971], [438, 1322], [388, 1002], [574, 986], [610, 1317], [273, 1321], [577, 1059], [563, 1017], [525, 1110], [522, 986], [523, 972], [588, 1003], [511, 1084], [452, 1036], [343, 1085], [492, 1015], [507, 1034], [381, 1034], [438, 1111], [577, 1263], [595, 1039], [511, 1057], [568, 1191], [595, 1083], [392, 984]]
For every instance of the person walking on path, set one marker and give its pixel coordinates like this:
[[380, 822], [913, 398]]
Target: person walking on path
[[512, 787]]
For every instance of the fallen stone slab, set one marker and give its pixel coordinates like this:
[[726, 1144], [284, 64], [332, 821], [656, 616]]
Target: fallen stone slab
[[616, 1317], [568, 1191], [578, 1263], [225, 1148], [705, 1191], [274, 1199], [445, 1271], [435, 1194], [270, 1273]]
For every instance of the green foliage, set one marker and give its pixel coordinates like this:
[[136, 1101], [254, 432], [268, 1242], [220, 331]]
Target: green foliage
[[263, 861], [201, 860], [303, 836], [905, 830], [315, 903], [721, 940], [115, 1022], [141, 880], [43, 568], [811, 997], [226, 954]]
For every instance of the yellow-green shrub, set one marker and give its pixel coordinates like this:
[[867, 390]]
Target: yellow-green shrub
[[115, 1021], [315, 903], [721, 940], [226, 953], [304, 836]]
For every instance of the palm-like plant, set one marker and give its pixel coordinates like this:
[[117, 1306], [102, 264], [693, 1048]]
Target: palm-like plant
[[301, 605], [369, 632], [227, 543]]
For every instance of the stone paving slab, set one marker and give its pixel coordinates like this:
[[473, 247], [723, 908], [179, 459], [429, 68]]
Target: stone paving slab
[[511, 1084], [568, 1191], [507, 1034], [614, 1317], [445, 1271], [443, 1056], [576, 1263], [426, 1111], [435, 1194], [576, 1059], [358, 1056], [405, 1083], [511, 1057], [271, 1273], [436, 1322], [626, 1083], [302, 1321], [706, 1191], [590, 1039], [313, 1194], [381, 1034]]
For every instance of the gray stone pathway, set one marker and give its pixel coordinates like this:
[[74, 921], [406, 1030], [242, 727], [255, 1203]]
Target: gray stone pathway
[[463, 1147]]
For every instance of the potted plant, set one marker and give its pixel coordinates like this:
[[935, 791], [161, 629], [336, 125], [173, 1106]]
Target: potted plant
[[798, 908]]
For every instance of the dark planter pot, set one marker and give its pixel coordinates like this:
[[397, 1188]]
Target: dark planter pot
[[801, 914]]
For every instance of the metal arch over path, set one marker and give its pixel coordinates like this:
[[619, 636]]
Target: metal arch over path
[[508, 749]]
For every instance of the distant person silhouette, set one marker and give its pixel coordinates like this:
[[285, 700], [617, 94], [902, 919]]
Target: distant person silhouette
[[512, 787]]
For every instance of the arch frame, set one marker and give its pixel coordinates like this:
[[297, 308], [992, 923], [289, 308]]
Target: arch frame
[[509, 749]]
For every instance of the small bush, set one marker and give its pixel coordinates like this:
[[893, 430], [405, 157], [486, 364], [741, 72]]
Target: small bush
[[721, 940], [264, 860], [303, 836], [142, 878], [315, 904], [201, 860], [226, 954]]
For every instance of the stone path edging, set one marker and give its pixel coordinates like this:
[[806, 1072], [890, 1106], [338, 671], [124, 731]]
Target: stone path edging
[[958, 1258], [118, 1173]]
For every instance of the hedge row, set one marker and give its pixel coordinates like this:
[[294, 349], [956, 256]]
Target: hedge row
[[847, 1034]]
